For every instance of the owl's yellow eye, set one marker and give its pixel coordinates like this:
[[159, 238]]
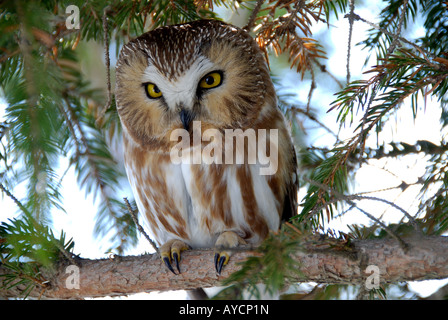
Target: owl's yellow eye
[[152, 91], [211, 80]]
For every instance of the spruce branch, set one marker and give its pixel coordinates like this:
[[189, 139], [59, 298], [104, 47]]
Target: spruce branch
[[336, 196], [16, 201], [312, 117], [280, 33], [380, 78], [139, 227], [390, 34], [397, 34], [39, 228], [107, 58], [390, 203], [318, 261], [390, 50], [253, 16], [351, 20]]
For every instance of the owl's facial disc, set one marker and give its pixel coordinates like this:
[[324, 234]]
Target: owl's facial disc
[[208, 82], [180, 95]]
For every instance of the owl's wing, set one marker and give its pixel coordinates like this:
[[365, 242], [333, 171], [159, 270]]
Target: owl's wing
[[292, 187]]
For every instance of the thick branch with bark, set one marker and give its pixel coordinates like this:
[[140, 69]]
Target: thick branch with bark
[[425, 258]]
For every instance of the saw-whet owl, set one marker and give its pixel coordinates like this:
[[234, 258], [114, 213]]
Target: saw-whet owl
[[214, 74]]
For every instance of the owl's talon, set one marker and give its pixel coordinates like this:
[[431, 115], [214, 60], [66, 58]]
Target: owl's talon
[[220, 261], [176, 260], [168, 264], [216, 260], [226, 240], [170, 252]]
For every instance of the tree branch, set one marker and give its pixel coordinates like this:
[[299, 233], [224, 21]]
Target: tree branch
[[427, 258]]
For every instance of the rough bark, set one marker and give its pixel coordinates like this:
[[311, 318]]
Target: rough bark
[[425, 258]]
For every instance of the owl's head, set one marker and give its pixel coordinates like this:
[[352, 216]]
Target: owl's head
[[206, 70]]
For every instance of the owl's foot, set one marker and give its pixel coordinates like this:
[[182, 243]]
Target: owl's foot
[[170, 252], [226, 240]]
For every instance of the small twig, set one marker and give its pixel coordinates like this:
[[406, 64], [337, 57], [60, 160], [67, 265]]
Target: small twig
[[66, 254], [17, 202], [107, 58], [404, 40], [253, 16], [340, 197], [9, 55], [358, 196], [351, 20], [344, 212], [403, 244], [70, 126], [312, 87], [411, 218], [139, 227], [428, 202], [324, 69], [313, 118], [394, 43]]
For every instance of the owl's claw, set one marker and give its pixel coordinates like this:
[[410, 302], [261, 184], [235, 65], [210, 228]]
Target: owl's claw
[[176, 260], [227, 239], [168, 264], [170, 252], [221, 260]]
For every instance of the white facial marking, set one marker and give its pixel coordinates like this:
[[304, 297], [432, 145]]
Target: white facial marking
[[180, 91]]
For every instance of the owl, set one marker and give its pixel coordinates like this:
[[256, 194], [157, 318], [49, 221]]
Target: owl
[[183, 89]]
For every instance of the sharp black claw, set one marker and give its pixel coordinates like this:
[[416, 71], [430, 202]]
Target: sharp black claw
[[216, 261], [176, 260], [219, 264], [168, 264]]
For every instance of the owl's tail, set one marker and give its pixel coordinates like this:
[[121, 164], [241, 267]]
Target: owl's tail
[[197, 294]]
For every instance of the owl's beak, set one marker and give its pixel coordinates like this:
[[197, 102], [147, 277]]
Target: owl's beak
[[186, 117]]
